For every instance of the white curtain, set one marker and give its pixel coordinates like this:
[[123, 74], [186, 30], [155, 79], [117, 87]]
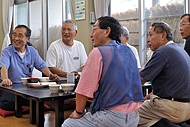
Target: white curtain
[[7, 12], [72, 8], [101, 8]]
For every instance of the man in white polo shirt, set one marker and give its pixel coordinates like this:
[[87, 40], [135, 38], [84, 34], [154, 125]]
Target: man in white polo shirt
[[124, 39], [66, 54]]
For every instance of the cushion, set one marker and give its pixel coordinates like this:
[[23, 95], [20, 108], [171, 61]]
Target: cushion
[[25, 110]]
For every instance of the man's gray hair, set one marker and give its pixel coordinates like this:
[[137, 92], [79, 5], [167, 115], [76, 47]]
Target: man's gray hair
[[70, 21], [160, 27], [124, 31]]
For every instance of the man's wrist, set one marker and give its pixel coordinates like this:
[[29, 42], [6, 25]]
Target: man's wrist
[[80, 113], [50, 75]]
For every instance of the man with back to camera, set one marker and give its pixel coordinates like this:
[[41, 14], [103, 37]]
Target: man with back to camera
[[124, 39], [169, 71], [105, 78], [185, 31], [17, 61], [66, 54]]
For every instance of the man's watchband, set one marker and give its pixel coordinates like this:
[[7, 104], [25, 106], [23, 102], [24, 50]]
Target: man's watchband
[[80, 113]]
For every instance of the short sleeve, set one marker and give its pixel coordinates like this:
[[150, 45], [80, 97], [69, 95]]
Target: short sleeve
[[5, 58], [88, 83], [154, 66], [51, 57]]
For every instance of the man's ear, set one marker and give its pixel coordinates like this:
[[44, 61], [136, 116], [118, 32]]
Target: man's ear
[[76, 32], [108, 31], [127, 38], [164, 34], [28, 38]]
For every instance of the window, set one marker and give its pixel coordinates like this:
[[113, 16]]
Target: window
[[35, 24], [20, 14], [137, 16], [44, 18], [168, 11], [126, 11], [54, 20]]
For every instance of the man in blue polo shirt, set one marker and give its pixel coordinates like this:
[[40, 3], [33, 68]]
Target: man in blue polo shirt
[[17, 61], [169, 71]]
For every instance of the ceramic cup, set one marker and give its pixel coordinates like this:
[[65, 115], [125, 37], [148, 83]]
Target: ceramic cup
[[54, 88]]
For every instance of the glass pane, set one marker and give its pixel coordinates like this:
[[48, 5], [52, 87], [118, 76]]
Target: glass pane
[[20, 14], [55, 20], [168, 11], [156, 8], [36, 25], [124, 9], [68, 10], [127, 13], [133, 27]]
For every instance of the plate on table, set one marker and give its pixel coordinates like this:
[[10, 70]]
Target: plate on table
[[40, 85]]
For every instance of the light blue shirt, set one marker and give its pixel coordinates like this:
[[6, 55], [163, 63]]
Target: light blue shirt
[[17, 67]]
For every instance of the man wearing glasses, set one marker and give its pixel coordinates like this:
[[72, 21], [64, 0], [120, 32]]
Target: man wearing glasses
[[185, 31], [17, 61], [111, 77]]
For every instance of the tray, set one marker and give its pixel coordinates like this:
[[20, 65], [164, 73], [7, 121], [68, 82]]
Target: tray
[[40, 85]]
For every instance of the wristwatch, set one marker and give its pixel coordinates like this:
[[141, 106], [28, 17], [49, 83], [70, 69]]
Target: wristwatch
[[80, 113]]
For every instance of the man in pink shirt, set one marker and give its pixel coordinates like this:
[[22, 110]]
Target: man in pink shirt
[[114, 85]]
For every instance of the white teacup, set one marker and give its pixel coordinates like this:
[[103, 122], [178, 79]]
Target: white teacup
[[54, 88], [24, 81], [67, 87], [43, 79]]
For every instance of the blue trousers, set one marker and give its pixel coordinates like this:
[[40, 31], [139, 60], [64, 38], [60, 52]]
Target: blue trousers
[[106, 118]]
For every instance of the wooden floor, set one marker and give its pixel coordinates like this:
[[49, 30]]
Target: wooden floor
[[12, 121]]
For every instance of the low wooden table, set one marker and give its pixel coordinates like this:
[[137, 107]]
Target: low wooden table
[[37, 97]]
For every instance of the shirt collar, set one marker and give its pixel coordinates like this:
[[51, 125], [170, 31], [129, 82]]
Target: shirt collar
[[27, 49], [169, 42]]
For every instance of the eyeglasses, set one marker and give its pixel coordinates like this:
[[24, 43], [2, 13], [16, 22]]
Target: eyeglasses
[[94, 28], [19, 36], [183, 24]]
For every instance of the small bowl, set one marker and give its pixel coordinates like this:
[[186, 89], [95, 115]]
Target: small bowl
[[32, 80], [24, 81], [54, 88], [43, 79], [67, 87]]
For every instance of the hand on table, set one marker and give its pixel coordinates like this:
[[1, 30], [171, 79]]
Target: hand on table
[[54, 77], [7, 82]]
